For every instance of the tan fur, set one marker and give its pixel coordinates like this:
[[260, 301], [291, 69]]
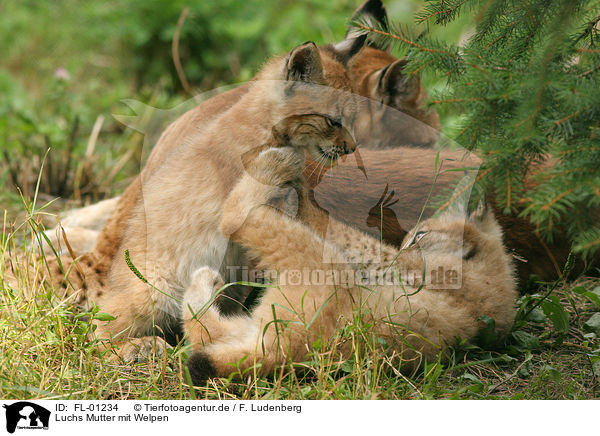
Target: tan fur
[[82, 227], [96, 264], [406, 176], [389, 193], [94, 267], [416, 326], [418, 127], [167, 249], [385, 192], [392, 117]]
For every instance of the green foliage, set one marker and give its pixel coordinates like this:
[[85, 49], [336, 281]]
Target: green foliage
[[130, 40], [526, 81], [57, 80], [57, 136]]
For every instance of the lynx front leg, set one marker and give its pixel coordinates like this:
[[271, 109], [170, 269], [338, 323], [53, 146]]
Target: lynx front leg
[[139, 313], [272, 236], [267, 180], [116, 338]]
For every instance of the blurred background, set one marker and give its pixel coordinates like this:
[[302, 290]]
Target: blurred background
[[66, 65]]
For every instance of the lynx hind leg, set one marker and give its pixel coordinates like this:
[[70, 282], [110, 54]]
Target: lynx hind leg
[[203, 323], [275, 334], [81, 240]]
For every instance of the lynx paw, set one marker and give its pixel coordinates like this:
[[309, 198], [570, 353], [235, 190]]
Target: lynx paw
[[268, 181], [277, 166], [205, 283], [201, 368]]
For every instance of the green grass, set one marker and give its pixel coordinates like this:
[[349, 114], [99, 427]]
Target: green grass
[[553, 352]]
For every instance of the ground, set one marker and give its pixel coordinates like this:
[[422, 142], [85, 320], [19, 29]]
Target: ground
[[553, 352]]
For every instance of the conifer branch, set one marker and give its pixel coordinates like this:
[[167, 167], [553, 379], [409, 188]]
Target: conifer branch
[[402, 39], [525, 84]]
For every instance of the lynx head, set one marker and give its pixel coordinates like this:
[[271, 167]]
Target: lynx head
[[323, 138], [395, 113], [471, 236], [312, 96]]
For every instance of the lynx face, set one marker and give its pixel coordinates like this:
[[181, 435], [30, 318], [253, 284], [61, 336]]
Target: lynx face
[[395, 113], [312, 101], [324, 138], [457, 234]]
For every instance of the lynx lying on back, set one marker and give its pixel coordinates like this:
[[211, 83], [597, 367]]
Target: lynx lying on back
[[415, 322]]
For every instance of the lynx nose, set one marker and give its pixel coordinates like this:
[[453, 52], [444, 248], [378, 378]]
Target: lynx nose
[[348, 145]]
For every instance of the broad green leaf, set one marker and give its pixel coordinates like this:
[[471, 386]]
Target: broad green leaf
[[556, 313], [471, 377], [593, 297], [536, 315], [101, 316], [593, 324], [526, 340], [552, 372]]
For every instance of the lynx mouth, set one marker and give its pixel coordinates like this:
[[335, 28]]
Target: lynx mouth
[[327, 156], [330, 154]]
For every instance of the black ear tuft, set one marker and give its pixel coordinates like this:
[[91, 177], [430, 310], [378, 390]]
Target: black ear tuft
[[348, 48], [304, 64], [371, 11], [201, 368]]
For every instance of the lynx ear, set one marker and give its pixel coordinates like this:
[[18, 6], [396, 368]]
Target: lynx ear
[[484, 219], [480, 212], [304, 64], [395, 88], [348, 48], [371, 12]]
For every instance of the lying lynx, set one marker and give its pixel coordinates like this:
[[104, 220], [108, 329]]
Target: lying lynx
[[396, 114], [415, 322]]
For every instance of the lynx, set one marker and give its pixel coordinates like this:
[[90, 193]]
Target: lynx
[[106, 277], [416, 319], [393, 114], [307, 97]]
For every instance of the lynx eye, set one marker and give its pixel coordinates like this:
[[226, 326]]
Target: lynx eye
[[333, 122], [416, 238]]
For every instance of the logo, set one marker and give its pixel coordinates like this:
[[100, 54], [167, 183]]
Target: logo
[[26, 415]]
